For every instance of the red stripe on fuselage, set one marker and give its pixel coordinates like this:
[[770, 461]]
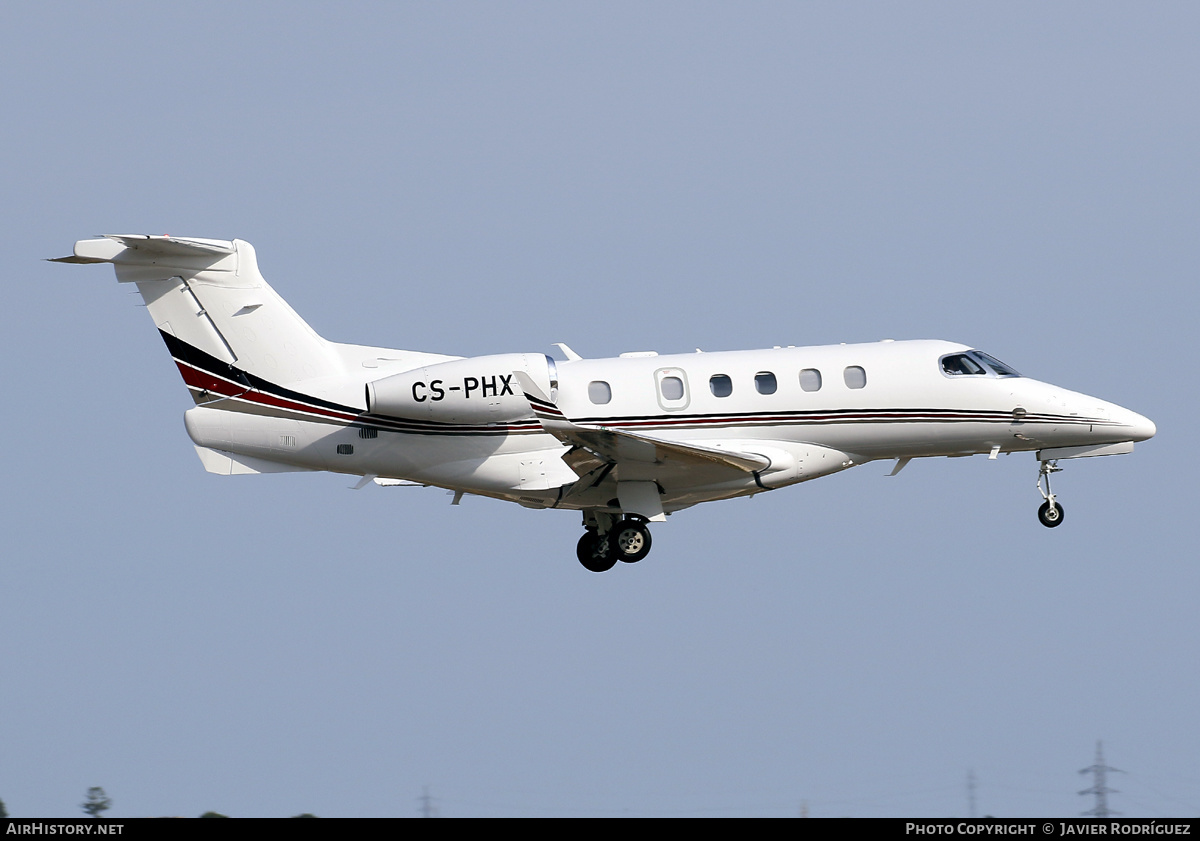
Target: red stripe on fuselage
[[199, 378]]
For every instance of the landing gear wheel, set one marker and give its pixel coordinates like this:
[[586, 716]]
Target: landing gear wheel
[[631, 539], [595, 552], [1051, 514]]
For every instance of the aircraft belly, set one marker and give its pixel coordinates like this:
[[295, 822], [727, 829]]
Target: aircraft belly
[[483, 463], [893, 439], [499, 474], [274, 439], [886, 440], [487, 464], [902, 438]]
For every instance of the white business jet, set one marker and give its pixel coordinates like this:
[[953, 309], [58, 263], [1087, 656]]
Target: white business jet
[[625, 441]]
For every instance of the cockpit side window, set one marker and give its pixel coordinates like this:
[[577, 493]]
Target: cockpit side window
[[961, 364]]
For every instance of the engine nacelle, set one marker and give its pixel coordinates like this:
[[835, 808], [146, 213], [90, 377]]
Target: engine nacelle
[[481, 389]]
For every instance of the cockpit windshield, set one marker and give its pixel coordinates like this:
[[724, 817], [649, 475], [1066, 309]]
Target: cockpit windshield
[[960, 364], [1000, 369], [975, 363]]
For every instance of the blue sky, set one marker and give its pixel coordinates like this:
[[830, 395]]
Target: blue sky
[[480, 178]]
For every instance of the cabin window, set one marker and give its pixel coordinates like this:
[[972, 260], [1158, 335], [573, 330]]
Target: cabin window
[[672, 388], [720, 385], [599, 392], [765, 382], [810, 379], [960, 364], [855, 377], [345, 449]]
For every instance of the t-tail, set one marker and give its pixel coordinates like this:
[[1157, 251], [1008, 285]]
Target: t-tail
[[223, 324]]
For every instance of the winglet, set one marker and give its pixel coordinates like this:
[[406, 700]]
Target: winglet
[[531, 389], [543, 407]]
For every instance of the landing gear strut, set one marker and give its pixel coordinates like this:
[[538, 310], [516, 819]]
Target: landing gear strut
[[1051, 513], [626, 540]]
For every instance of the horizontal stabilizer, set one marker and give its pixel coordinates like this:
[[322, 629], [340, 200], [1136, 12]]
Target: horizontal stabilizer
[[141, 249], [177, 246]]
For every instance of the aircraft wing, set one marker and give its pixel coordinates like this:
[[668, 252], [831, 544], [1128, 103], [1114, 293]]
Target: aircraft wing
[[618, 446], [638, 458]]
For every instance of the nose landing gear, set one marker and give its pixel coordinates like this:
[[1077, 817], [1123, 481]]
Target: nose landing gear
[[1051, 513], [627, 540]]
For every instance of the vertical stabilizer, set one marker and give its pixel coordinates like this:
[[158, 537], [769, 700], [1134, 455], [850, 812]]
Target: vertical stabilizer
[[222, 322]]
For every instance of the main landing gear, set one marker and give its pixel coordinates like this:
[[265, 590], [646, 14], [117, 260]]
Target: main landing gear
[[1051, 513], [627, 540]]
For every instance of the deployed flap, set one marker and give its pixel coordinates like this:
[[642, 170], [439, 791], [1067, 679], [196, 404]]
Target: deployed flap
[[622, 447], [641, 498]]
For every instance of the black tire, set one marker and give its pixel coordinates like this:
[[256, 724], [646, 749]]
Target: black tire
[[1050, 516], [595, 552], [630, 540]]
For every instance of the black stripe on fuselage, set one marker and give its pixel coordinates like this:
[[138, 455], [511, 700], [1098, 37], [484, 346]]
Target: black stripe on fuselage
[[196, 358], [828, 416], [192, 356]]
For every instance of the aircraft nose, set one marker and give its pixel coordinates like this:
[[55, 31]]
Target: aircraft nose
[[1140, 427]]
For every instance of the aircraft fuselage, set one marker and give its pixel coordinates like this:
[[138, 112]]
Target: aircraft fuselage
[[905, 407]]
